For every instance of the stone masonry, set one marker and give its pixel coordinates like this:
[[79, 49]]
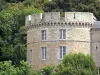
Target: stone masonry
[[78, 27]]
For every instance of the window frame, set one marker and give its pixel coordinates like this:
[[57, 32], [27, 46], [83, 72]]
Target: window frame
[[30, 55], [62, 52], [43, 35], [43, 53], [62, 34]]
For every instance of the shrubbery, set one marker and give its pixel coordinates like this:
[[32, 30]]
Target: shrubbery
[[72, 64], [6, 68], [47, 70], [76, 64]]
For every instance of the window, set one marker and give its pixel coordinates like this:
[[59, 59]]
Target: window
[[43, 34], [96, 46], [43, 50], [62, 51], [62, 34], [74, 15], [30, 56]]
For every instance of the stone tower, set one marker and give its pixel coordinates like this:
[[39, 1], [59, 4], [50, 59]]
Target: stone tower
[[95, 43], [51, 36]]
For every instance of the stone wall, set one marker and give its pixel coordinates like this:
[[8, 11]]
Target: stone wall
[[79, 17], [77, 25], [52, 51], [95, 45], [72, 34], [77, 40]]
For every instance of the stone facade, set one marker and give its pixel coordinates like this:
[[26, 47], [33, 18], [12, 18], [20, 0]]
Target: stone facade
[[95, 45], [77, 26]]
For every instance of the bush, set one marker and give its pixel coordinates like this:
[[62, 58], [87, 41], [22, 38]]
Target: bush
[[72, 64], [24, 68], [47, 70], [6, 68], [76, 64]]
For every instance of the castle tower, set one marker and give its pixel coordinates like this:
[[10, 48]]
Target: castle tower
[[95, 43], [51, 36]]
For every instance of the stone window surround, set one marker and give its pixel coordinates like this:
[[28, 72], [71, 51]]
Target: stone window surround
[[43, 53], [43, 35], [30, 55], [62, 34], [62, 52]]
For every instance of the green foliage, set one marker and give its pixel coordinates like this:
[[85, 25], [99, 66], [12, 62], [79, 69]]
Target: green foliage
[[14, 1], [74, 5], [12, 32], [35, 3], [3, 4], [72, 64], [76, 64], [38, 72], [24, 69], [6, 68], [47, 70]]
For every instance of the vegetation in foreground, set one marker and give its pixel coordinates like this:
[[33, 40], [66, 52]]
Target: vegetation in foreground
[[72, 64]]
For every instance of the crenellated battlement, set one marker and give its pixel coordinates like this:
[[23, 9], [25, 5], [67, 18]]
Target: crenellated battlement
[[55, 18]]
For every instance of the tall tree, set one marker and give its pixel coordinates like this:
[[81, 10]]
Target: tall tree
[[12, 37], [14, 1], [36, 3], [3, 4], [74, 5]]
